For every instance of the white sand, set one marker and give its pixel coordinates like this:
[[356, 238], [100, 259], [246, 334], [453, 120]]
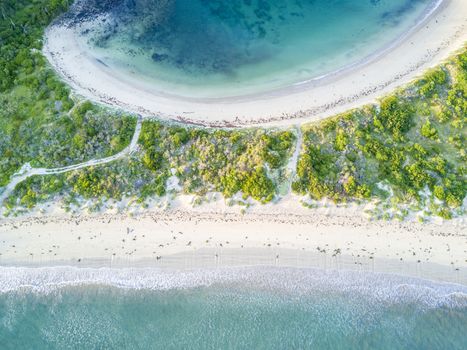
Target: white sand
[[433, 40], [206, 236]]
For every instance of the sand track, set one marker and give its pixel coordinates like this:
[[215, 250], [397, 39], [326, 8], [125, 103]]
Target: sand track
[[27, 171]]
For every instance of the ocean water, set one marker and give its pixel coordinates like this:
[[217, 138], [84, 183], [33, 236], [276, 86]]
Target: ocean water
[[218, 48], [228, 308]]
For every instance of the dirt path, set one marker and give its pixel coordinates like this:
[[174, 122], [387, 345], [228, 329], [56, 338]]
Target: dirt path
[[27, 171], [292, 164]]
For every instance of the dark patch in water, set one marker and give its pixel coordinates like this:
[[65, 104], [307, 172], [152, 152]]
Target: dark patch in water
[[101, 62], [217, 37], [393, 18]]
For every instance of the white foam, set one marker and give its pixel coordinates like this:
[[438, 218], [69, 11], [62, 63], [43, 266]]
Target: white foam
[[379, 288]]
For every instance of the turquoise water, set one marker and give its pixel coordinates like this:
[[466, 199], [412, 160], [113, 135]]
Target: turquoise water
[[217, 48], [235, 308]]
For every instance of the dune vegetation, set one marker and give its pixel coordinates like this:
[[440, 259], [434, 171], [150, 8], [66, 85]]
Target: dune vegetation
[[407, 152]]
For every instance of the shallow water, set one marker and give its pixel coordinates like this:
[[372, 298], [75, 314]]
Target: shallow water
[[229, 308], [216, 48]]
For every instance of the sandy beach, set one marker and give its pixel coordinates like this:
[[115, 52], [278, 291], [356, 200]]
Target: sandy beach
[[216, 234], [205, 237], [440, 32]]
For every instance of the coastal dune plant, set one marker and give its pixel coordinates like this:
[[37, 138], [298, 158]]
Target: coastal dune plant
[[413, 141], [407, 150]]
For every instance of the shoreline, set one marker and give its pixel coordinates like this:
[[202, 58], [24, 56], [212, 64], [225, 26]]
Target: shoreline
[[429, 43], [188, 240], [257, 258], [216, 235]]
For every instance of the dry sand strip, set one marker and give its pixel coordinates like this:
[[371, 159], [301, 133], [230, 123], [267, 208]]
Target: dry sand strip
[[438, 35], [159, 236]]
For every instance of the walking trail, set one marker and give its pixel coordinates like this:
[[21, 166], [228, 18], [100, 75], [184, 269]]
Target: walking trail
[[292, 164], [27, 171]]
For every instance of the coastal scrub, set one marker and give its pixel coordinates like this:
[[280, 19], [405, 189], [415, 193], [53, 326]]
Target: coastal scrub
[[406, 152]]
